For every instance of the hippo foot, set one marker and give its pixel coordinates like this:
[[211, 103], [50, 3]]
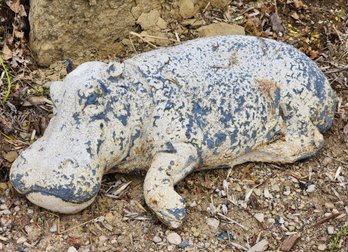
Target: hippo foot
[[166, 170]]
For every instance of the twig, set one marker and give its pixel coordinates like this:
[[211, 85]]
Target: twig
[[238, 246], [231, 221], [336, 70], [6, 136], [326, 219], [261, 225], [80, 225], [340, 161], [206, 7], [156, 37], [289, 242], [143, 39], [131, 41], [9, 84]]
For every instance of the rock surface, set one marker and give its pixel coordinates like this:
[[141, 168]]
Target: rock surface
[[220, 29], [89, 30]]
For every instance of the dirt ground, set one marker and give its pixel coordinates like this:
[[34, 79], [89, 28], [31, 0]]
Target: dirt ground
[[267, 206]]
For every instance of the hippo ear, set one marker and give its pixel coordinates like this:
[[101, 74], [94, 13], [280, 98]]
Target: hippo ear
[[57, 92]]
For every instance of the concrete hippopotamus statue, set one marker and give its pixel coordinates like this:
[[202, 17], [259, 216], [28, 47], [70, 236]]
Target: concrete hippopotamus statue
[[207, 103]]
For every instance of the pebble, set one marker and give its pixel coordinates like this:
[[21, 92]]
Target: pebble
[[327, 161], [193, 204], [6, 212], [335, 211], [21, 240], [267, 194], [184, 244], [275, 188], [329, 205], [237, 188], [187, 8], [330, 230], [174, 238], [156, 239], [260, 217], [311, 188], [103, 239], [321, 247], [224, 209], [259, 247], [287, 191], [109, 217], [10, 156], [291, 228], [72, 249], [54, 228], [214, 223], [280, 220], [257, 191], [28, 229]]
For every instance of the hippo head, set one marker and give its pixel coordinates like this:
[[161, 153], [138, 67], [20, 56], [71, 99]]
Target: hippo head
[[62, 170]]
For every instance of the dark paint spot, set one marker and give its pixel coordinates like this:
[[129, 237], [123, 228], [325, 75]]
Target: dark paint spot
[[99, 143], [178, 213]]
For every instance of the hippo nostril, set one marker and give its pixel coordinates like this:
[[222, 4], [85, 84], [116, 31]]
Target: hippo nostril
[[18, 183]]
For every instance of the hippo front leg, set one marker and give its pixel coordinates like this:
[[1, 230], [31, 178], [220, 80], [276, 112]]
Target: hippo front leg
[[299, 143], [166, 170]]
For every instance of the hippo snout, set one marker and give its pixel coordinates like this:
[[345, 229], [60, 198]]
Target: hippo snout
[[62, 184], [62, 198]]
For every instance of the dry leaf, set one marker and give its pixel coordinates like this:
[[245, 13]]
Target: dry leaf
[[37, 100], [345, 130], [259, 247], [14, 5], [276, 23], [295, 16], [22, 12], [7, 53], [299, 4], [19, 34]]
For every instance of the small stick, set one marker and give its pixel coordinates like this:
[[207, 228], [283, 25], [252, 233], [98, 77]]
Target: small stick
[[80, 225], [238, 246], [336, 70], [340, 161], [143, 39], [231, 221], [131, 41], [289, 242], [155, 37], [206, 7], [326, 219]]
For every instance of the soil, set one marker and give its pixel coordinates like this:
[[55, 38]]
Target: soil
[[261, 205]]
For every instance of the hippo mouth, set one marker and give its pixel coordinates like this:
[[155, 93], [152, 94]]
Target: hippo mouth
[[56, 204], [66, 198]]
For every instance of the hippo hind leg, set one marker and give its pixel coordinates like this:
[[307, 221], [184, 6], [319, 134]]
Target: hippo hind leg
[[166, 170], [302, 140]]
